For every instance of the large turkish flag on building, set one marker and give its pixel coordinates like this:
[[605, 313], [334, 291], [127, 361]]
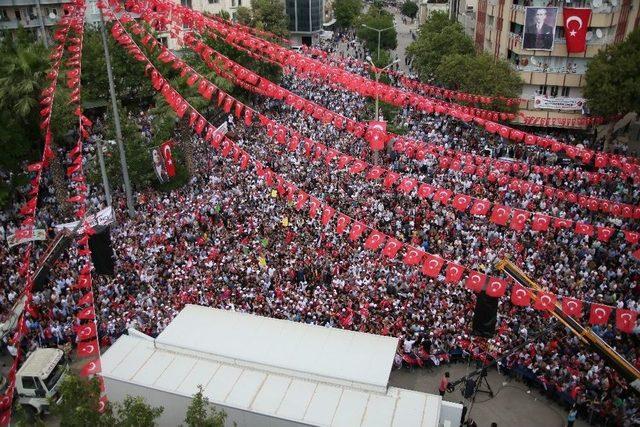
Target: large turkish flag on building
[[168, 158], [576, 22]]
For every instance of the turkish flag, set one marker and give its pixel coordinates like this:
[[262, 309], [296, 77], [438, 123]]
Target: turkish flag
[[496, 287], [519, 219], [165, 148], [599, 314], [442, 195], [356, 231], [453, 273], [461, 202], [413, 256], [584, 228], [540, 222], [432, 265], [374, 173], [480, 207], [89, 348], [88, 313], [83, 282], [390, 179], [301, 199], [545, 301], [327, 214], [86, 299], [314, 204], [500, 214], [576, 22], [475, 281], [86, 331], [520, 296], [626, 320], [562, 223], [342, 222], [392, 247], [90, 368], [375, 239], [604, 233], [572, 307], [407, 185]]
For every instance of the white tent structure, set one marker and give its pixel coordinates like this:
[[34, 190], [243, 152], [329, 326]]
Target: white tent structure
[[268, 372]]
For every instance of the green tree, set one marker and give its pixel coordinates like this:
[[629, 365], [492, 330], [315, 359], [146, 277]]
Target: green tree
[[243, 15], [346, 12], [438, 39], [270, 15], [79, 406], [481, 74], [198, 416], [135, 412], [613, 78], [380, 19], [409, 8]]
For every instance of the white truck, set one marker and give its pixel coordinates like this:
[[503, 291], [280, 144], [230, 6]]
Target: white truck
[[39, 378]]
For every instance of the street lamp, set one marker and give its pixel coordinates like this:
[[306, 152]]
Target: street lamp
[[379, 32], [377, 72]]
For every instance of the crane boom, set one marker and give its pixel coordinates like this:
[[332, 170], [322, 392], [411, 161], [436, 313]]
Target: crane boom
[[586, 335]]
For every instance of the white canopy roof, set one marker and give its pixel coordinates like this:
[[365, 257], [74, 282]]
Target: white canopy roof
[[291, 348], [138, 361]]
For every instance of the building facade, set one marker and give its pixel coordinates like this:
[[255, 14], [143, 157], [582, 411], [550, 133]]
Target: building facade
[[214, 7], [554, 79], [306, 18], [39, 16]]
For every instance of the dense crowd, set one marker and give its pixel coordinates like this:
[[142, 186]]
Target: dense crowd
[[226, 240]]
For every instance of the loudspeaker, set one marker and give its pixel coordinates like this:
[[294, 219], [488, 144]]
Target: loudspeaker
[[101, 251], [485, 316]]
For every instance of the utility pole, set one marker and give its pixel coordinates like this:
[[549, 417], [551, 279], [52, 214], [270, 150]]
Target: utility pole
[[116, 119], [41, 19], [103, 172], [379, 33]]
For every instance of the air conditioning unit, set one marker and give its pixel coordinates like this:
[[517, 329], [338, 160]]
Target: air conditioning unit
[[469, 8]]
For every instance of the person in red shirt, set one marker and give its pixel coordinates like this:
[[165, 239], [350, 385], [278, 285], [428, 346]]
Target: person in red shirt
[[444, 383]]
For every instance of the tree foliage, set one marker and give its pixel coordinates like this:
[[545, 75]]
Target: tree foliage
[[243, 15], [377, 18], [445, 54], [346, 12], [201, 414], [81, 400], [409, 8], [613, 78], [439, 37], [270, 15], [480, 74]]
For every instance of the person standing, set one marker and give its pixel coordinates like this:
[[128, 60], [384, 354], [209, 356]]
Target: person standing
[[444, 383], [571, 418]]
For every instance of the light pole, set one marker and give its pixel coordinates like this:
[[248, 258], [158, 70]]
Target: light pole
[[41, 22], [103, 172], [116, 120], [379, 32], [377, 72]]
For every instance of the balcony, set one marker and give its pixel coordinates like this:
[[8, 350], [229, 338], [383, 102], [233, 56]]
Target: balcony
[[32, 23], [18, 3], [559, 47]]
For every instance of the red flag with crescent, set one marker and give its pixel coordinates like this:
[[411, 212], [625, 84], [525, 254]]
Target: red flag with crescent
[[453, 273], [89, 348], [91, 368], [342, 222], [165, 148], [576, 21], [392, 247], [86, 331], [545, 301], [599, 314], [375, 239], [496, 287], [432, 265], [475, 281], [520, 296], [572, 307], [626, 320]]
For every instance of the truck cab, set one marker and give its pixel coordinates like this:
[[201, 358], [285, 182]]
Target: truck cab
[[39, 378]]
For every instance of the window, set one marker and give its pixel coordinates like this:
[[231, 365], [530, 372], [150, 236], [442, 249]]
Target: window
[[542, 90], [565, 91], [554, 90], [18, 15], [3, 15], [214, 1], [233, 3], [29, 383], [32, 14]]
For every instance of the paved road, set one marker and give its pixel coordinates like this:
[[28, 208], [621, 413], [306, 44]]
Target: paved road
[[513, 405], [404, 37]]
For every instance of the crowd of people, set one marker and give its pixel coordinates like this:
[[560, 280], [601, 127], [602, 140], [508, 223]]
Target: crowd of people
[[227, 240]]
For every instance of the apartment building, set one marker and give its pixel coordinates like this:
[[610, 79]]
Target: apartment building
[[38, 16], [554, 78]]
